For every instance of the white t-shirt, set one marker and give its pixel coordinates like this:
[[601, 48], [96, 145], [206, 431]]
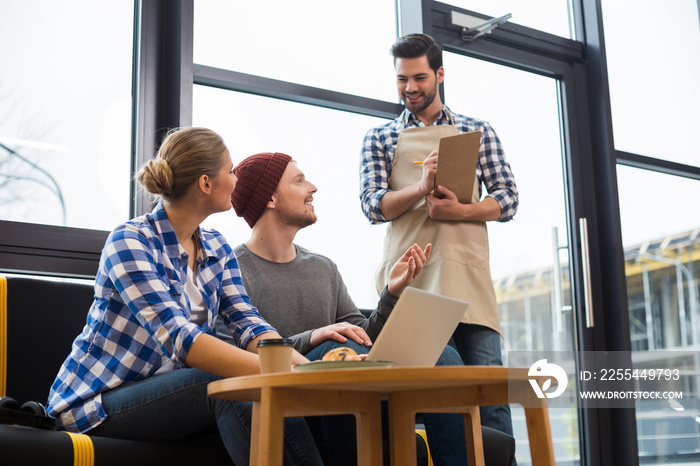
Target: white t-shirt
[[198, 308]]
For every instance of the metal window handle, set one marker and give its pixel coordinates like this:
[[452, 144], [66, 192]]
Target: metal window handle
[[586, 263]]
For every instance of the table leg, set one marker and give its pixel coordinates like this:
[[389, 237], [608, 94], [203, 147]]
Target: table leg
[[368, 422], [365, 406], [472, 429], [402, 430], [270, 432], [537, 419], [539, 435], [255, 434]]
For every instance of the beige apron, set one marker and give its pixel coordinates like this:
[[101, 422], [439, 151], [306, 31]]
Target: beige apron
[[458, 266]]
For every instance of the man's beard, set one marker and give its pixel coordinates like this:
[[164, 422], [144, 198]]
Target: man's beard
[[297, 220], [427, 100]]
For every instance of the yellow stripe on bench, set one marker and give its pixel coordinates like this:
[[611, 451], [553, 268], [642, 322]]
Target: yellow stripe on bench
[[83, 451], [3, 335]]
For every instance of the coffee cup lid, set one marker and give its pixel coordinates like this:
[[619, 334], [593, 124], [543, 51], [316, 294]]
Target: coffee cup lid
[[276, 342]]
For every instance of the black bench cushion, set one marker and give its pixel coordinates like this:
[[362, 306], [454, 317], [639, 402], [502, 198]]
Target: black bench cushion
[[43, 319], [28, 446]]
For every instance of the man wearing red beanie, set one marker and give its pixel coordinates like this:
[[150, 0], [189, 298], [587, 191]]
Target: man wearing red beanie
[[303, 296], [302, 293]]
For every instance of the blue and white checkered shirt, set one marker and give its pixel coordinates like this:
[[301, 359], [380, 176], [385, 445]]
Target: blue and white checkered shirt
[[140, 316], [379, 149]]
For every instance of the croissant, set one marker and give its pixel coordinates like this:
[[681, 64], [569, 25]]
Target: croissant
[[341, 353]]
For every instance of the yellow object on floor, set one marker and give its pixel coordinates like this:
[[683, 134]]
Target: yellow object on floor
[[424, 436]]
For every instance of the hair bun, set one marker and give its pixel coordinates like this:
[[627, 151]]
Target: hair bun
[[182, 158], [157, 177]]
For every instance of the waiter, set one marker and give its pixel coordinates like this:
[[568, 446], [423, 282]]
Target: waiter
[[396, 187]]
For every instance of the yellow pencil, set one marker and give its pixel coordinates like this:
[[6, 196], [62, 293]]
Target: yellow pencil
[[418, 162]]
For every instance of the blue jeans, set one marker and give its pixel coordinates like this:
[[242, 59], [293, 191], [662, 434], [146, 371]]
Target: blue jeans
[[175, 405], [479, 345], [445, 431]]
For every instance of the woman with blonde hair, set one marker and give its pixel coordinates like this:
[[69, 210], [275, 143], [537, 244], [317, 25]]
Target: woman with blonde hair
[[140, 368]]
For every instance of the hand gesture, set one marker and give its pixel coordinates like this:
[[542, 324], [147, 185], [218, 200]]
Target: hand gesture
[[407, 268], [340, 332]]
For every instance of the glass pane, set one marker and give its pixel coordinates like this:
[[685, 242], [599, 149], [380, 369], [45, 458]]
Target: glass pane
[[534, 301], [331, 45], [662, 265], [653, 56], [326, 145], [552, 16], [65, 112]]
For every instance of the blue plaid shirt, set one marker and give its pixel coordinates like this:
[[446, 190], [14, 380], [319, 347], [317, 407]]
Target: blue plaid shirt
[[379, 149], [140, 316]]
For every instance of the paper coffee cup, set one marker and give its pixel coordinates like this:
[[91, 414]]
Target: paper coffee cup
[[275, 355]]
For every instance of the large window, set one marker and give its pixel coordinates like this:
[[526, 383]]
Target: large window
[[654, 100], [262, 39], [529, 255], [65, 112], [341, 46], [662, 265], [653, 57]]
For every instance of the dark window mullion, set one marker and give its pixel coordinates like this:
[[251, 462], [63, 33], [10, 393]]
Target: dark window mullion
[[267, 87], [658, 165]]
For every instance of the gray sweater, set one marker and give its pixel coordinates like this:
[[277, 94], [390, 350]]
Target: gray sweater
[[302, 295]]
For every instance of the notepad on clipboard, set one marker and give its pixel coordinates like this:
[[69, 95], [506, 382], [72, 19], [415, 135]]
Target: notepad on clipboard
[[457, 158]]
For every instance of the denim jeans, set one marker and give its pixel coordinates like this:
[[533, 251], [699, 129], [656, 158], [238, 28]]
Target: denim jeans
[[175, 405], [445, 431], [479, 345]]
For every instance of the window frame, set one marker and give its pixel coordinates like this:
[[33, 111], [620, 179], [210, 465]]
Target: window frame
[[38, 249]]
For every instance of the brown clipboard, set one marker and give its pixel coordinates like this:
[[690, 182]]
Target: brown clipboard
[[457, 158]]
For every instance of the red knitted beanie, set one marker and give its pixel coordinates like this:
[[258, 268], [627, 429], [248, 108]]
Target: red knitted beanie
[[258, 177]]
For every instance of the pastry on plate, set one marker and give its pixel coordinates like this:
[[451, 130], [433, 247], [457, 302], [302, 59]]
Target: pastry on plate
[[341, 353]]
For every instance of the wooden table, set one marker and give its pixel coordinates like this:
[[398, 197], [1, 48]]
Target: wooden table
[[409, 390]]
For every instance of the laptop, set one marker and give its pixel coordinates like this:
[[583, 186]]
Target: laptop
[[417, 330]]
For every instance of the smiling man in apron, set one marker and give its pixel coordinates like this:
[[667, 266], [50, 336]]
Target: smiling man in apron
[[395, 189]]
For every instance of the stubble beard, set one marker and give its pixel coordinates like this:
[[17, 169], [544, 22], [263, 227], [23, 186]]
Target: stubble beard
[[298, 220], [427, 101]]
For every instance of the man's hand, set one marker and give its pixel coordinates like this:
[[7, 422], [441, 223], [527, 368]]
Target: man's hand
[[427, 181], [397, 203], [340, 332], [449, 208], [446, 208], [407, 268]]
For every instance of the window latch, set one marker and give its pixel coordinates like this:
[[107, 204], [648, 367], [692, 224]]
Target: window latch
[[472, 27]]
